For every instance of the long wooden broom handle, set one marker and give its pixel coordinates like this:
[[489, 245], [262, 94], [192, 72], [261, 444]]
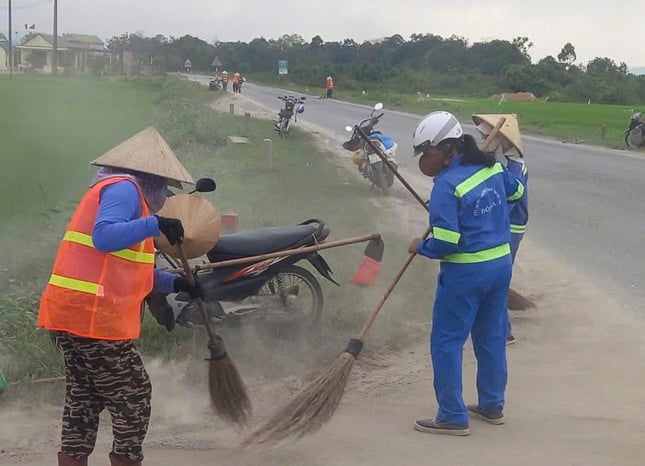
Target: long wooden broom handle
[[285, 253], [372, 317], [200, 303], [377, 150]]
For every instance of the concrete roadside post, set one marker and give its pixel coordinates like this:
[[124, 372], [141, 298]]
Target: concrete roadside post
[[231, 108], [268, 154], [229, 222], [247, 124]]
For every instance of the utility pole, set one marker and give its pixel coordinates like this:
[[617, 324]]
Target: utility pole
[[55, 44], [10, 45]]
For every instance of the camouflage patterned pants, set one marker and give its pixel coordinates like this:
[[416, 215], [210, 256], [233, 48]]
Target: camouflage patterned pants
[[104, 374]]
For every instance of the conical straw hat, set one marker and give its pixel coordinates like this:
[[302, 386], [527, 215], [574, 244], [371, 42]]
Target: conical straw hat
[[200, 220], [146, 152], [510, 129]]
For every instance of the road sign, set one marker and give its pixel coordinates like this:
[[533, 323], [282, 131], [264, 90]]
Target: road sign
[[283, 67]]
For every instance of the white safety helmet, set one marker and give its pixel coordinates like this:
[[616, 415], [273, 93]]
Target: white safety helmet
[[435, 128]]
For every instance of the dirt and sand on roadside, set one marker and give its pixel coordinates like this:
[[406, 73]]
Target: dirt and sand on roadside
[[574, 395]]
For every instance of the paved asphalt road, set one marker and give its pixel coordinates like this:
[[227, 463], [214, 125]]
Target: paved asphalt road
[[586, 203]]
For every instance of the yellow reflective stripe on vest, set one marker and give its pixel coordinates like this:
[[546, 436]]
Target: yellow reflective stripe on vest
[[519, 193], [480, 256], [77, 285], [127, 254], [448, 236], [473, 181], [518, 228]]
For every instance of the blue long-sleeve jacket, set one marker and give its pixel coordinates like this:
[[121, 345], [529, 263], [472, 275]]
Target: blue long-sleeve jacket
[[469, 213], [119, 225], [519, 211]]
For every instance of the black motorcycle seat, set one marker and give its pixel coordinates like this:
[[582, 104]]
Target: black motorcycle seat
[[265, 240]]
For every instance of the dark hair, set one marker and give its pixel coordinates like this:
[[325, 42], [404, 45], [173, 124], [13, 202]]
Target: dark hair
[[468, 146]]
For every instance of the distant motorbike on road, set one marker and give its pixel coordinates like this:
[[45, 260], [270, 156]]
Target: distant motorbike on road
[[635, 134], [370, 164], [215, 84], [292, 107]]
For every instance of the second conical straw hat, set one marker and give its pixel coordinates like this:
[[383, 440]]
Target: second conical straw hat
[[510, 129], [200, 220], [146, 152]]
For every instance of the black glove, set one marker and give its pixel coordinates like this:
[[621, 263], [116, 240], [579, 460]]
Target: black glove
[[182, 284], [172, 229], [161, 310]]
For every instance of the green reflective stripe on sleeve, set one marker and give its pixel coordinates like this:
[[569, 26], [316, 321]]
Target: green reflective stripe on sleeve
[[74, 284], [519, 193], [518, 228], [448, 236], [127, 254], [480, 256], [473, 181]]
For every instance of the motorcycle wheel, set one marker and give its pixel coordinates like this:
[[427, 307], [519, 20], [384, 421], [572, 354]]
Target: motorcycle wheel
[[299, 296], [627, 139], [383, 179], [284, 129]]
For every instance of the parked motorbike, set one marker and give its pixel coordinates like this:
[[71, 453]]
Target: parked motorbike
[[634, 135], [292, 107], [215, 84], [276, 290], [369, 164]]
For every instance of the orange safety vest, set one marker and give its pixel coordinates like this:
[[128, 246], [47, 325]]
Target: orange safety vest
[[95, 294], [236, 78], [330, 84]]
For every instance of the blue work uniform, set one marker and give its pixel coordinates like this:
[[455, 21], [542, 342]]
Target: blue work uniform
[[518, 213], [470, 235]]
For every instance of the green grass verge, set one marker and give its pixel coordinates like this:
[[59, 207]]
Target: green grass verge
[[303, 183], [570, 122]]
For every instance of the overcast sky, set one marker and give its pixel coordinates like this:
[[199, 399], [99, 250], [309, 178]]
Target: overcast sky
[[593, 26]]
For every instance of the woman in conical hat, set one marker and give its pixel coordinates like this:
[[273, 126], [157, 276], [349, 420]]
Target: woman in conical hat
[[508, 149], [103, 271]]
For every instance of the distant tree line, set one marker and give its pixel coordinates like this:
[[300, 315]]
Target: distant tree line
[[424, 63]]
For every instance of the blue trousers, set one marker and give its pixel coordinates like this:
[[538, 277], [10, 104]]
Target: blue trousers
[[470, 299], [516, 238]]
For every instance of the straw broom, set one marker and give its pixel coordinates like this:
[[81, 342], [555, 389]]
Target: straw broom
[[516, 301], [519, 302], [313, 406], [227, 391]]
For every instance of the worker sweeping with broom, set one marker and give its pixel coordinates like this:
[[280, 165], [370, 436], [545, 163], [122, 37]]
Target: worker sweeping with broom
[[507, 147], [470, 236], [103, 271]]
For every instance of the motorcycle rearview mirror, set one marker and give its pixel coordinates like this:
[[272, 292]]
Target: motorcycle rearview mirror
[[204, 185], [349, 129], [378, 106]]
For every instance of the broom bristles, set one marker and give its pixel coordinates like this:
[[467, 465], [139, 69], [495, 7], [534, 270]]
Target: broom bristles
[[519, 302], [311, 408], [227, 391]]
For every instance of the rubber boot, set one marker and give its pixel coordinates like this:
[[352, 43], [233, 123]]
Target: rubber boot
[[116, 460], [65, 460]]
